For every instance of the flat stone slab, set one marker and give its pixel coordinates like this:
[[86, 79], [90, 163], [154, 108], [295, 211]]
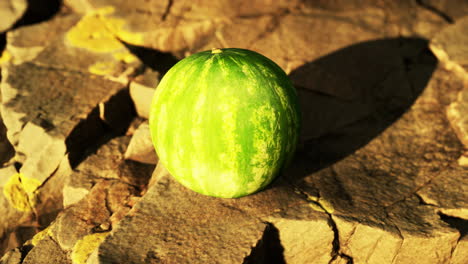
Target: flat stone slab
[[141, 147], [186, 227]]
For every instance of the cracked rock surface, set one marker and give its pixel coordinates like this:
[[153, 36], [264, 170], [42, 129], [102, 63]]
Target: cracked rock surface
[[381, 171]]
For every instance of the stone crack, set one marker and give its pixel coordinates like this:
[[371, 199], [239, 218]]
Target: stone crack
[[336, 245], [434, 10], [168, 9]]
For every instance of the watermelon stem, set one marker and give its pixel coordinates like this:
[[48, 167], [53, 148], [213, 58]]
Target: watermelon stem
[[216, 51]]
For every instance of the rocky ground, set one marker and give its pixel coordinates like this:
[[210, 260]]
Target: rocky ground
[[381, 174]]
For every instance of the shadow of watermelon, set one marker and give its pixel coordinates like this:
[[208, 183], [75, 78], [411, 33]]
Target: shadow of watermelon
[[350, 96]]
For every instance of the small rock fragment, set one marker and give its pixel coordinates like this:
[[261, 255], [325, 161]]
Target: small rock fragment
[[141, 147], [463, 160], [142, 97]]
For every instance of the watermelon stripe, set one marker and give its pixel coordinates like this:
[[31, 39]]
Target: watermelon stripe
[[280, 102], [198, 155], [264, 118], [263, 140]]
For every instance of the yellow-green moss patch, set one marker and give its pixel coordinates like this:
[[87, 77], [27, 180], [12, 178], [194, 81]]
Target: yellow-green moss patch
[[327, 206], [19, 191], [99, 33], [41, 235], [85, 246], [103, 67], [5, 57]]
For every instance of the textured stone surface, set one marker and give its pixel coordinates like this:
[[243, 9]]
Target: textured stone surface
[[81, 227], [276, 28], [25, 43], [53, 116], [380, 175], [450, 46], [186, 227], [11, 257], [14, 221], [142, 89], [459, 255], [10, 12], [46, 251], [107, 163], [306, 238], [452, 10], [58, 106]]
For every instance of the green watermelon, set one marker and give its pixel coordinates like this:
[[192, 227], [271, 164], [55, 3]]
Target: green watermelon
[[225, 122]]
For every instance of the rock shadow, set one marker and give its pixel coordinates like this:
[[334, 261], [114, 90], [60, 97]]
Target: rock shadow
[[156, 60], [39, 11], [93, 132], [350, 96], [268, 249]]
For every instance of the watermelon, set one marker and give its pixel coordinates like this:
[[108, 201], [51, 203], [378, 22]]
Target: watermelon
[[225, 122]]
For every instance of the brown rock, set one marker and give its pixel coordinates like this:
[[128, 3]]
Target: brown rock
[[463, 161], [210, 222], [82, 226], [365, 243], [85, 223], [299, 234], [451, 10], [15, 210], [378, 177], [174, 25], [141, 96], [372, 194], [282, 37], [25, 43], [56, 134], [379, 191], [82, 218], [449, 45], [45, 252], [49, 195], [276, 31], [51, 113], [27, 207], [184, 227], [451, 201], [107, 163], [459, 255], [52, 117]]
